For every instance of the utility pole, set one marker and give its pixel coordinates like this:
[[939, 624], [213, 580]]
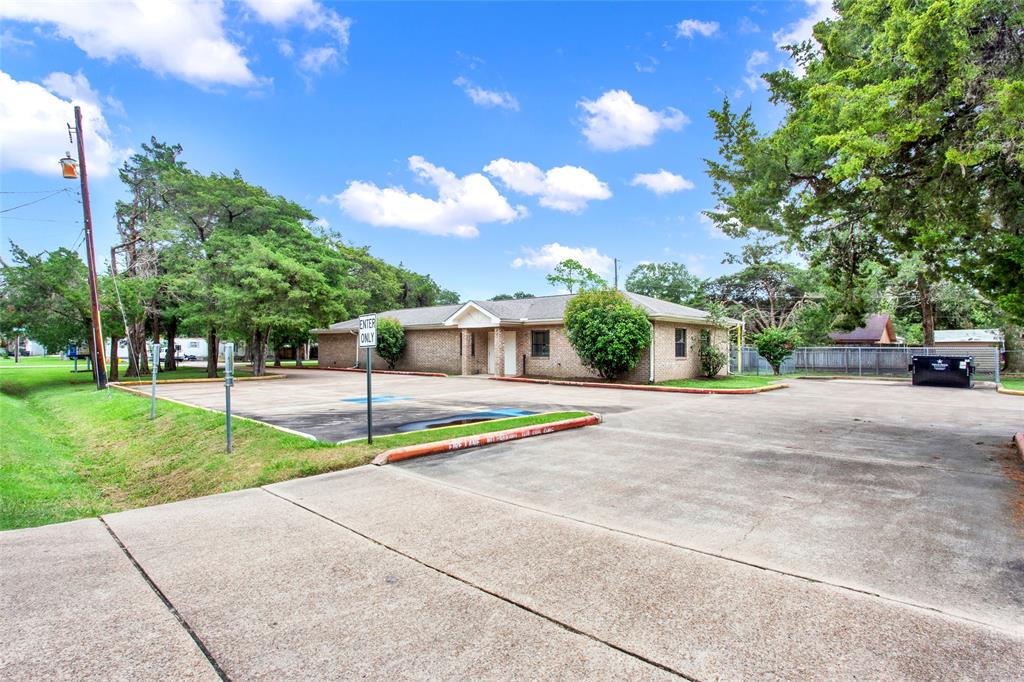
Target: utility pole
[[98, 361], [616, 260]]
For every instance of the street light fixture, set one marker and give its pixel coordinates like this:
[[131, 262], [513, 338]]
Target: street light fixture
[[69, 167]]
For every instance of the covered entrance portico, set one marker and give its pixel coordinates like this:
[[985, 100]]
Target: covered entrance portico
[[487, 347]]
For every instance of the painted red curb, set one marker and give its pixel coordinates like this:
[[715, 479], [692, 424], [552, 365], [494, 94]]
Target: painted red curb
[[410, 451], [1019, 440], [379, 371], [643, 387]]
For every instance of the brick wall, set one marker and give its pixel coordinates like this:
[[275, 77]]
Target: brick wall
[[438, 351], [336, 350]]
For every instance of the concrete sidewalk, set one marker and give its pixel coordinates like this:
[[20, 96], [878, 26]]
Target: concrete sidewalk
[[382, 573]]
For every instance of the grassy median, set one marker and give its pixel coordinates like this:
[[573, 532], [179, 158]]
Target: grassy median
[[68, 451], [731, 381], [1013, 384]]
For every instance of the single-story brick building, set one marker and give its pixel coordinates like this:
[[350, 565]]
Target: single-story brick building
[[522, 337]]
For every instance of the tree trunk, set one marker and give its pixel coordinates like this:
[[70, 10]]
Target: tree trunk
[[259, 351], [277, 356], [211, 354], [138, 364], [170, 363], [113, 373], [300, 354], [924, 294]]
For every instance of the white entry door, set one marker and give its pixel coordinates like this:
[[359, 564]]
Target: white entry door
[[491, 366], [510, 354]]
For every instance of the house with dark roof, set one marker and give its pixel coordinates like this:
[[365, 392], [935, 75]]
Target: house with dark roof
[[877, 331], [523, 337]]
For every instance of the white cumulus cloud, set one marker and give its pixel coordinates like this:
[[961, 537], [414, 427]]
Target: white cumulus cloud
[[317, 20], [487, 98], [753, 78], [802, 30], [564, 188], [687, 28], [461, 204], [662, 182], [550, 255], [183, 38], [34, 118], [614, 121]]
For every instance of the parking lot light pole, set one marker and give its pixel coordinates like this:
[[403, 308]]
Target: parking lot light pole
[[229, 381]]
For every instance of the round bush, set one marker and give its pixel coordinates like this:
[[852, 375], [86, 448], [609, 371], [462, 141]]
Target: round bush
[[607, 331]]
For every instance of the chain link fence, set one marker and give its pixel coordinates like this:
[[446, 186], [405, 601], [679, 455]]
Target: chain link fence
[[892, 361]]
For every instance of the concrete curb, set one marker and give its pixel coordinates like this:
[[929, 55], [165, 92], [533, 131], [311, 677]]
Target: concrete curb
[[219, 380], [1008, 391], [378, 371], [410, 451], [644, 387], [832, 377], [146, 394]]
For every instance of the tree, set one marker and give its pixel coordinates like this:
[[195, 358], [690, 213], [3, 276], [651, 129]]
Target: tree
[[768, 291], [512, 297], [607, 331], [667, 281], [711, 358], [47, 295], [390, 340], [775, 344], [906, 126], [574, 276]]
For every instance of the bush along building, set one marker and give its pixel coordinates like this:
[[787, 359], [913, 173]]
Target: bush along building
[[524, 337]]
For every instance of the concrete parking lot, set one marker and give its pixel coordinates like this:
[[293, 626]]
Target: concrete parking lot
[[830, 530]]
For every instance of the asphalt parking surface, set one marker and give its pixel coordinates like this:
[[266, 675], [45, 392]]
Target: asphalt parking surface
[[331, 406], [829, 530]]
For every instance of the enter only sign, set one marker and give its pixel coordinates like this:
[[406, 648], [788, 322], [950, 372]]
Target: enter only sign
[[368, 331]]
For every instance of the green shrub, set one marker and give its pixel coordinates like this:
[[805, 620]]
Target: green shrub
[[390, 340], [712, 359], [607, 331], [775, 344]]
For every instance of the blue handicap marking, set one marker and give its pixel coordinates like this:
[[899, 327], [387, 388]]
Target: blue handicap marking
[[376, 399]]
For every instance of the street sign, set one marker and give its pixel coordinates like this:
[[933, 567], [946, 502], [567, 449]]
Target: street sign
[[368, 331], [72, 351]]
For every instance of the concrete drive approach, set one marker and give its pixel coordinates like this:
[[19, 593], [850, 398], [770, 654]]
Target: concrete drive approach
[[830, 530]]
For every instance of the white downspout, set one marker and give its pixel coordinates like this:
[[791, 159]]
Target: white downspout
[[650, 380]]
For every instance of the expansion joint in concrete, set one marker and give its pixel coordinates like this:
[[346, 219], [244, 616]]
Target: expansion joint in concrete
[[507, 600], [168, 605]]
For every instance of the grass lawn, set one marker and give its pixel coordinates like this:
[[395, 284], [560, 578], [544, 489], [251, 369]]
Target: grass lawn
[[68, 451], [731, 381], [1013, 384]]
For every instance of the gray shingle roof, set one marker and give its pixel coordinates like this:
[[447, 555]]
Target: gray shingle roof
[[964, 335], [540, 308], [871, 332]]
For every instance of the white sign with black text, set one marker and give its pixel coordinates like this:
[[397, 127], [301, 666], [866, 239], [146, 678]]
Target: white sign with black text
[[368, 331]]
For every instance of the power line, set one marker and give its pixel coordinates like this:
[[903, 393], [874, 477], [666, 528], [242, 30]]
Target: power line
[[35, 201], [44, 220], [33, 191]]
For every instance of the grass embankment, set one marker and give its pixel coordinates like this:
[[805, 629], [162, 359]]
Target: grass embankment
[[68, 451], [731, 381], [1013, 384]]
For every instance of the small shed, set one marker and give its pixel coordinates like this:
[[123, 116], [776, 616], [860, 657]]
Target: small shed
[[877, 331]]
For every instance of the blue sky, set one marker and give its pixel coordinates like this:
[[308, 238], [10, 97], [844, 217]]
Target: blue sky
[[479, 143]]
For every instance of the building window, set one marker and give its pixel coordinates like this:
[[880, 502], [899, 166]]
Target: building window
[[193, 344], [540, 344], [680, 342]]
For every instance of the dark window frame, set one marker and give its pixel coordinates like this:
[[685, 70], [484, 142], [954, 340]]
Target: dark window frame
[[543, 348], [682, 341]]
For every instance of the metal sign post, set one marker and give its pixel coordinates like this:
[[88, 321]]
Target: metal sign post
[[155, 351], [368, 340], [229, 381], [73, 354]]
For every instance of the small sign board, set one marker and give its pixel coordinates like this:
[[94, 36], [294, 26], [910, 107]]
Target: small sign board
[[368, 331], [72, 351]]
